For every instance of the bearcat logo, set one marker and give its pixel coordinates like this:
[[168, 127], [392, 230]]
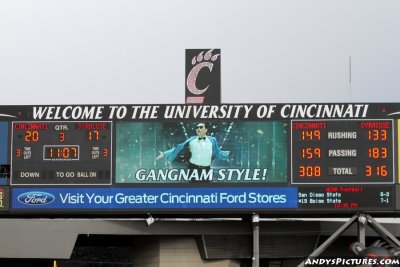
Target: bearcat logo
[[36, 198], [203, 76]]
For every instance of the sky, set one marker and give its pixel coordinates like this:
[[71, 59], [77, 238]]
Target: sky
[[133, 51]]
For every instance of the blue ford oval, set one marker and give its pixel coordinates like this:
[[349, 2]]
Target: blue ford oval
[[36, 198]]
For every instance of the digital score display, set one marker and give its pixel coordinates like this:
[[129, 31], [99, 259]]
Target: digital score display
[[56, 153], [338, 152]]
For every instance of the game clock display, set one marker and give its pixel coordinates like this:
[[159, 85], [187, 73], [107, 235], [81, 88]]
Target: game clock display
[[61, 153]]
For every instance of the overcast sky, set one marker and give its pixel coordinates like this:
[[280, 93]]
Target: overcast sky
[[131, 51]]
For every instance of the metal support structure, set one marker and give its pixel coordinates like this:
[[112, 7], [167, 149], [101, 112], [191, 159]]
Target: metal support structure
[[382, 232], [363, 219], [331, 239], [256, 240]]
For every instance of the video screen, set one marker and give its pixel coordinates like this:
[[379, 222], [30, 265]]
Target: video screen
[[212, 152]]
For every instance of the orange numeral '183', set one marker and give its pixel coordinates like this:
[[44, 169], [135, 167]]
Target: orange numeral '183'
[[377, 152]]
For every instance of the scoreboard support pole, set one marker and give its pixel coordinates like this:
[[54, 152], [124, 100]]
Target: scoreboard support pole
[[256, 240], [362, 219]]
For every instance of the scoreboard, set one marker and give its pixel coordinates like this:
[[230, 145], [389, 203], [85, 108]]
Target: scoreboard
[[289, 159], [61, 153]]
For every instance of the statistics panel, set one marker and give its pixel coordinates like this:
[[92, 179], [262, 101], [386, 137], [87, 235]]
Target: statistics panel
[[338, 151]]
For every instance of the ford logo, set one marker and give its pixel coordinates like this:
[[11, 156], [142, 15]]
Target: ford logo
[[36, 198]]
